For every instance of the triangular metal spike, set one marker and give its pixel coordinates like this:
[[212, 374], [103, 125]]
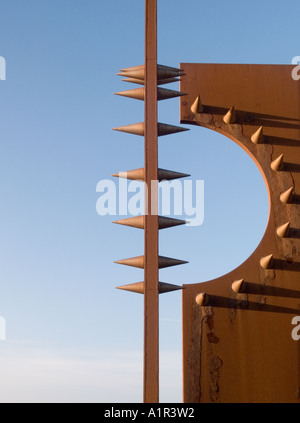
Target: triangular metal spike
[[168, 73], [137, 94], [267, 262], [170, 68], [258, 136], [164, 288], [238, 286], [134, 81], [134, 222], [168, 81], [197, 106], [159, 67], [169, 175], [164, 129], [202, 299], [167, 222], [133, 175], [164, 94], [136, 74], [139, 222], [138, 262], [137, 288], [135, 129], [159, 82], [132, 68], [139, 129], [277, 165], [284, 230], [163, 72], [287, 196], [168, 262], [230, 116], [139, 175]]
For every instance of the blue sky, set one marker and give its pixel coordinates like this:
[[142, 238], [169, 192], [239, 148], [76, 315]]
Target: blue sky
[[71, 336]]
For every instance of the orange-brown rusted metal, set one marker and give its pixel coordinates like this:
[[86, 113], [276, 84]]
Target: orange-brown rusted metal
[[151, 75], [151, 274], [139, 175], [237, 334], [139, 288]]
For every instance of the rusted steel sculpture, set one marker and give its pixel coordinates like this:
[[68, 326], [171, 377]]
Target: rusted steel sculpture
[[150, 76], [237, 329]]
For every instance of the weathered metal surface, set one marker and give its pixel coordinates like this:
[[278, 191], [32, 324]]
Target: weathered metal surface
[[151, 274], [151, 75], [139, 222], [139, 288], [161, 129], [238, 346], [140, 261], [139, 175], [139, 94]]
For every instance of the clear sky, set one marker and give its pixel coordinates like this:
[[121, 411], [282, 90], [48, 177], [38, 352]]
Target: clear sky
[[72, 337]]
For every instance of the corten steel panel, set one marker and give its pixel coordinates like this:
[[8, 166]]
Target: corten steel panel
[[239, 348]]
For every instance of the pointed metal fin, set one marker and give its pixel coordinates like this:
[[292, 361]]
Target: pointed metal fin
[[167, 222], [170, 69], [134, 175], [139, 129], [139, 222], [136, 74], [139, 175], [168, 262], [230, 116], [163, 72], [267, 262], [164, 129], [167, 287], [135, 129], [277, 165], [168, 175], [137, 288], [133, 68], [137, 94], [287, 196], [164, 94], [134, 81], [167, 81], [258, 136], [159, 82], [197, 106], [284, 230], [138, 262], [134, 222]]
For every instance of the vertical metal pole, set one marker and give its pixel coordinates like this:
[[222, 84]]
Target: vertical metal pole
[[151, 278]]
